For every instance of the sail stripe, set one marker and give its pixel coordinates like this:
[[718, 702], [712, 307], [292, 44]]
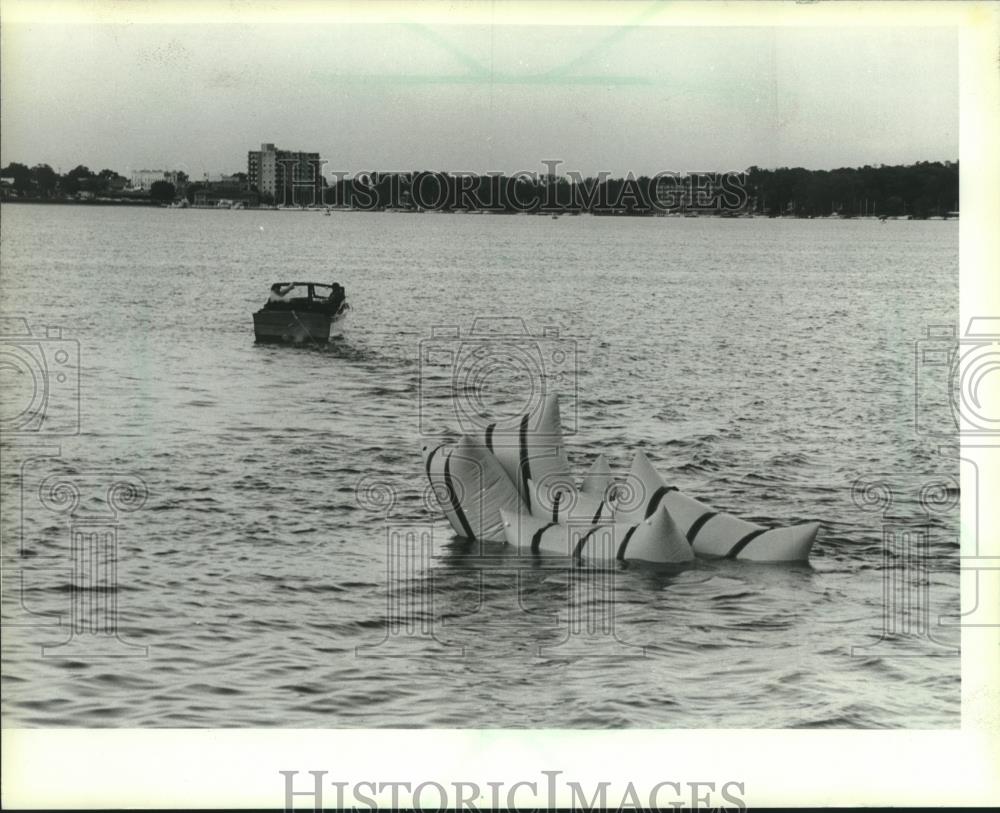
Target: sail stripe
[[654, 501], [597, 516], [456, 506], [536, 539], [525, 463], [698, 524], [621, 548], [746, 540], [578, 550], [430, 457]]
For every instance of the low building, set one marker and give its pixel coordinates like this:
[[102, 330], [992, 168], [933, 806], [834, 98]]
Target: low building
[[225, 195], [222, 178], [144, 178]]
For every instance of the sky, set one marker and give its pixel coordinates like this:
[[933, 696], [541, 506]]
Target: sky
[[408, 96]]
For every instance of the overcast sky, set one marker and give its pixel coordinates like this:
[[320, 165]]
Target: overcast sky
[[477, 98]]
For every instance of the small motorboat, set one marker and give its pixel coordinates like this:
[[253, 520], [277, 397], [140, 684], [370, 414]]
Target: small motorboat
[[298, 312]]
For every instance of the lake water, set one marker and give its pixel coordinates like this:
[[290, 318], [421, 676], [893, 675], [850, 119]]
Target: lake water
[[274, 574]]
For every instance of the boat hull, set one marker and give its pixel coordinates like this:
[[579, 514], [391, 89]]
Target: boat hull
[[292, 327]]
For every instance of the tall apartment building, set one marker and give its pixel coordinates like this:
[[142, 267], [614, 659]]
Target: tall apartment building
[[286, 177]]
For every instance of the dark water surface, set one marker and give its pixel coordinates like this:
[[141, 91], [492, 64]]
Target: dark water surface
[[765, 366]]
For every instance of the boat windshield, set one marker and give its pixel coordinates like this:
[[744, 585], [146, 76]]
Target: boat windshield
[[284, 291], [299, 294]]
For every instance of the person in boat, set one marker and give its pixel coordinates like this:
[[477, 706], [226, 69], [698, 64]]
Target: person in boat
[[279, 292], [336, 296]]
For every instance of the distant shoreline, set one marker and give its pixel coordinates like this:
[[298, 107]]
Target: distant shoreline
[[44, 202], [554, 214], [917, 191]]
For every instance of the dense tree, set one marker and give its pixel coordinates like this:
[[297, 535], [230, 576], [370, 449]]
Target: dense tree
[[190, 190], [78, 179], [80, 172], [45, 179], [922, 189], [919, 190], [21, 176], [102, 181], [162, 192]]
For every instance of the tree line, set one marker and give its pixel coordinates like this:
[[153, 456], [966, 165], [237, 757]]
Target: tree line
[[917, 190], [41, 182], [920, 190]]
